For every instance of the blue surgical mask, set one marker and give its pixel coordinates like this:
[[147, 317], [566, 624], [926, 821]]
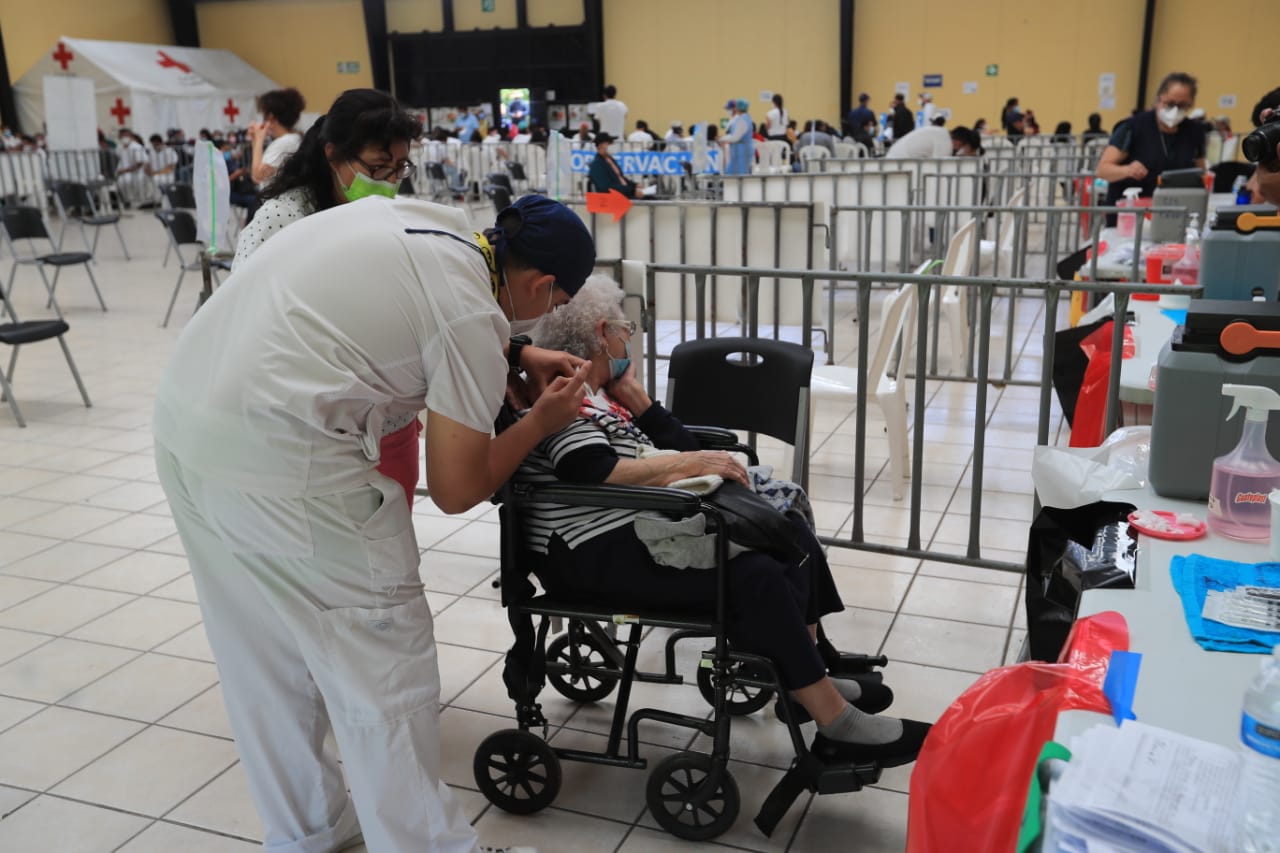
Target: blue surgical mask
[[618, 366]]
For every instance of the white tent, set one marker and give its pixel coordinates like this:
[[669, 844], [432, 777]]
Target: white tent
[[147, 87]]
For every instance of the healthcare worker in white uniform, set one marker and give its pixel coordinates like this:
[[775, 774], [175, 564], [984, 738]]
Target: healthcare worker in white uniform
[[267, 428]]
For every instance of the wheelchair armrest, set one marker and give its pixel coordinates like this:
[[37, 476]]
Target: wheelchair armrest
[[716, 438], [655, 498]]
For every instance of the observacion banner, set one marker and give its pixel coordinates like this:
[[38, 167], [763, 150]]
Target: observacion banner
[[646, 162]]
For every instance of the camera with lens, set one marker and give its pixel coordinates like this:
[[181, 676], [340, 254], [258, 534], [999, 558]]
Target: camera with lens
[[1260, 145]]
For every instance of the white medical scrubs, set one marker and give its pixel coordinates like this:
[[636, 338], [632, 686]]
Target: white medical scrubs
[[304, 558]]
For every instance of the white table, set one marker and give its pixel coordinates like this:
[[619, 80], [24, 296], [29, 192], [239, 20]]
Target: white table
[[1181, 686]]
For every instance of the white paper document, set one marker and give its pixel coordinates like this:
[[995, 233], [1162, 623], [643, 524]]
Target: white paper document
[[1141, 788]]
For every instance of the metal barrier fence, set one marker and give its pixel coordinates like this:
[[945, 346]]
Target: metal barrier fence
[[760, 233], [807, 280]]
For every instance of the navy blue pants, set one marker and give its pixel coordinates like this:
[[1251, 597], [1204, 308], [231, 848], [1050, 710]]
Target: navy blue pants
[[769, 603]]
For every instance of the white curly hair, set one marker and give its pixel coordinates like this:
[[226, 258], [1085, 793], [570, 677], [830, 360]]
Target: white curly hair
[[571, 328]]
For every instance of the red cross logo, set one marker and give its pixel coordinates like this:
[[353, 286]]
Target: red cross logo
[[62, 56], [167, 61], [120, 110], [231, 111]]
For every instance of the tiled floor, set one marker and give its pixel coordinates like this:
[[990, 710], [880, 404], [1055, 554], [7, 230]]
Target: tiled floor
[[112, 733]]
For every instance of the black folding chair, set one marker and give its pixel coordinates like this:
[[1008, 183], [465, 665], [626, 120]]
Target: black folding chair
[[75, 204], [520, 176], [176, 197], [500, 196], [179, 196], [719, 382], [180, 225], [17, 333], [27, 223]]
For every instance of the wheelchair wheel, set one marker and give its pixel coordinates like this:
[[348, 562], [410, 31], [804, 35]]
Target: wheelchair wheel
[[670, 793], [517, 771], [578, 684], [740, 700]]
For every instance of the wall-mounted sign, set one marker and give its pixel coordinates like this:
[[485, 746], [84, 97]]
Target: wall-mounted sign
[[348, 67], [933, 81]]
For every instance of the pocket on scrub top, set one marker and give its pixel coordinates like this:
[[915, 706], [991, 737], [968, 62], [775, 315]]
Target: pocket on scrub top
[[380, 663]]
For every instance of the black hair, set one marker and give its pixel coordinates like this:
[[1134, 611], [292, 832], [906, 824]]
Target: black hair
[[777, 101], [1063, 129], [357, 119], [713, 131], [1095, 121], [1271, 100], [286, 105], [610, 91], [155, 137], [1176, 78], [641, 124], [968, 137]]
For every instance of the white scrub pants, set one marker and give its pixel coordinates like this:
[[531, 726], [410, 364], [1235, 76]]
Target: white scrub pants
[[316, 616]]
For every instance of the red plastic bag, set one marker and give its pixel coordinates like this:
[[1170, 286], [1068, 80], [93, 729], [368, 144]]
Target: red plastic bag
[[970, 782], [1091, 404]]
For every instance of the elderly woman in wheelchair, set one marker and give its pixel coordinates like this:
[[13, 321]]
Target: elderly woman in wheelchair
[[612, 555]]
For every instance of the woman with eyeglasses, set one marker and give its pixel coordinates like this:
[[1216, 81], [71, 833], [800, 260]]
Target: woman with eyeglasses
[[1155, 141], [359, 148]]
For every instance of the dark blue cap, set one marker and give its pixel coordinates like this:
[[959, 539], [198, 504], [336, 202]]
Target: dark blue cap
[[550, 237]]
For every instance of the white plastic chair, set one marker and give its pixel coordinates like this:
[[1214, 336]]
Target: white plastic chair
[[840, 382], [812, 152], [847, 150], [1002, 246], [954, 303], [775, 156]]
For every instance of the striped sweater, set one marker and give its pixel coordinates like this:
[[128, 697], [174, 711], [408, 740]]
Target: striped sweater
[[586, 451]]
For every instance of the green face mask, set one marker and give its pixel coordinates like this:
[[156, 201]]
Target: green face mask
[[362, 186]]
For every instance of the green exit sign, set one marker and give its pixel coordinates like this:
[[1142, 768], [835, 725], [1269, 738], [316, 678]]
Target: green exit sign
[[487, 5], [993, 70]]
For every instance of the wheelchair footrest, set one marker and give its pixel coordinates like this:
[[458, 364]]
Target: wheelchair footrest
[[813, 774], [849, 665]]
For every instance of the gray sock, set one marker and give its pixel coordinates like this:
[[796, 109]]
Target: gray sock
[[848, 688], [853, 726]]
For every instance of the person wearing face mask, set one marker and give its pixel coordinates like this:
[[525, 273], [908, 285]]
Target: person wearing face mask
[[281, 109], [269, 424], [605, 556], [739, 146], [1154, 141], [359, 148]]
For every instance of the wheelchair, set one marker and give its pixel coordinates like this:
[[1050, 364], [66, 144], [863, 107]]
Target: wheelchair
[[690, 794]]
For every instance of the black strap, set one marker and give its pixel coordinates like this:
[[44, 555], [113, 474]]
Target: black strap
[[799, 778]]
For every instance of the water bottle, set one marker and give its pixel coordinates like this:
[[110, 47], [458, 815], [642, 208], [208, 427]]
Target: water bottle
[[1259, 797], [1241, 192]]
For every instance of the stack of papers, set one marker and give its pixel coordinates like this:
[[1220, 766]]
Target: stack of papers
[[1141, 788]]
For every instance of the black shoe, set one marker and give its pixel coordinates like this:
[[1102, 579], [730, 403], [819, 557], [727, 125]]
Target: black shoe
[[876, 697], [893, 754]]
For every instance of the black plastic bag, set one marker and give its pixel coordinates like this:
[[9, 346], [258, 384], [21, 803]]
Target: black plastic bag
[[1069, 551]]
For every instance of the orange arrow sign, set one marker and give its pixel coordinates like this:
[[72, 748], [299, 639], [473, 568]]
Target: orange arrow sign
[[611, 202]]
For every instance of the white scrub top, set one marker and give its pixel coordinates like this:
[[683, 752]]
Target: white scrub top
[[281, 383], [281, 149]]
